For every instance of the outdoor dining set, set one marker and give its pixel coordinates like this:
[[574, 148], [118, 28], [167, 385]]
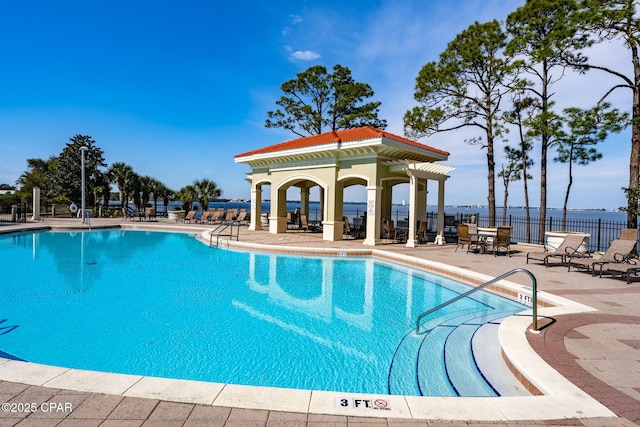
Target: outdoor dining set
[[484, 240]]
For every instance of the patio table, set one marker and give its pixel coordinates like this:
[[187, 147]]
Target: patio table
[[485, 237]]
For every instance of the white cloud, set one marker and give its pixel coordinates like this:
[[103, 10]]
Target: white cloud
[[304, 55]]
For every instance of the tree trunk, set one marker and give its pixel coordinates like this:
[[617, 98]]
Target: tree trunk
[[566, 196], [504, 204], [634, 159], [543, 154], [491, 175]]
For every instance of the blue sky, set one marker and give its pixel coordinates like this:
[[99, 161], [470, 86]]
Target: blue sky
[[176, 89]]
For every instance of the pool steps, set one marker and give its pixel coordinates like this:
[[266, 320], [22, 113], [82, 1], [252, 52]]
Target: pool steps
[[449, 338], [462, 369], [402, 371]]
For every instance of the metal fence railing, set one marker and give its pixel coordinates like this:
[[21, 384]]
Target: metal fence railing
[[601, 231], [15, 213]]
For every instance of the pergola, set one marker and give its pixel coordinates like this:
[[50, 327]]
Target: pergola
[[335, 160]]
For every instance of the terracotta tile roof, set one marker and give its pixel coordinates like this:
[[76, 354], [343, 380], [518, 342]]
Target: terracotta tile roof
[[346, 135]]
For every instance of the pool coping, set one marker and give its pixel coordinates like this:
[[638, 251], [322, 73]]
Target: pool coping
[[560, 398]]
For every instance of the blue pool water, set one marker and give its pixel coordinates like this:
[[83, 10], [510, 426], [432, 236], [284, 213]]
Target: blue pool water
[[164, 304]]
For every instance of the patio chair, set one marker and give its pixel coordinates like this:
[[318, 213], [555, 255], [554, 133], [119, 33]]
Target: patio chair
[[347, 231], [150, 213], [502, 241], [569, 246], [463, 237], [391, 233], [304, 224], [618, 251], [477, 242], [467, 238], [421, 234], [127, 214]]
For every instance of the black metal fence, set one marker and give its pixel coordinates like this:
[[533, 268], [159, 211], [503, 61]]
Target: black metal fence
[[601, 232], [14, 213]]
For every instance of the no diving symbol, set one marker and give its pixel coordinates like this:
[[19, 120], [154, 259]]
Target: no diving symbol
[[380, 404], [362, 404]]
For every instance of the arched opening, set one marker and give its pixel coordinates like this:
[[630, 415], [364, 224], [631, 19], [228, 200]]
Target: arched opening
[[354, 207], [299, 205]]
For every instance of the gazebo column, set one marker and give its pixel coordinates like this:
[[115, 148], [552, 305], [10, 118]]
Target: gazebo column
[[256, 208], [440, 233], [422, 203], [413, 210], [321, 197], [278, 218], [304, 201], [387, 205], [36, 204], [374, 209], [421, 206], [333, 225]]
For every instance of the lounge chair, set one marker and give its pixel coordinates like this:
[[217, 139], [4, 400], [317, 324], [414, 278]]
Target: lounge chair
[[216, 216], [618, 251], [629, 234], [191, 215], [502, 241], [205, 217], [304, 224], [242, 217], [624, 270], [230, 215], [569, 246]]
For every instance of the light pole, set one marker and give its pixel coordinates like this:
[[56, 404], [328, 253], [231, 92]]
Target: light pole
[[83, 150]]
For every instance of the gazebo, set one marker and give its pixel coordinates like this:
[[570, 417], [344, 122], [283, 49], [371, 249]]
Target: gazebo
[[335, 160]]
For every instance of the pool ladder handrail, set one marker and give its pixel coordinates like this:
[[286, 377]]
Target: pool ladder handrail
[[222, 227], [534, 297]]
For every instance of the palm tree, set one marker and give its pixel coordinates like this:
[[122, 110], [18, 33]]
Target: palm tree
[[121, 174], [146, 188], [37, 175], [206, 190], [187, 195], [164, 193]]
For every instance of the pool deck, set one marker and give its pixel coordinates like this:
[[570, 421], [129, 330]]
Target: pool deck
[[597, 350]]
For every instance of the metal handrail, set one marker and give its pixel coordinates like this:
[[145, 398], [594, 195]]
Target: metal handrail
[[534, 297], [223, 227]]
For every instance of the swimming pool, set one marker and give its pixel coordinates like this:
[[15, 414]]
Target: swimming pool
[[163, 304]]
